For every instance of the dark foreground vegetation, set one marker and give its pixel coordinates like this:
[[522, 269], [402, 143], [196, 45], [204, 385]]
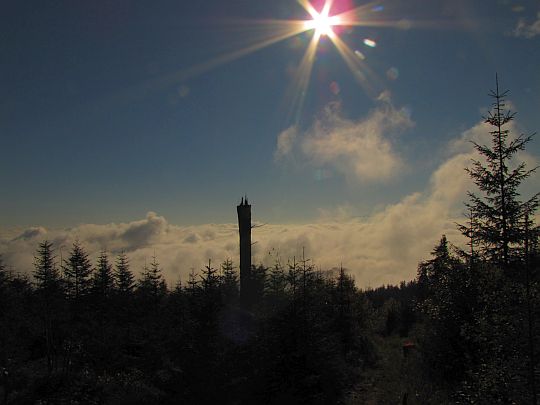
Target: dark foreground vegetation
[[464, 332]]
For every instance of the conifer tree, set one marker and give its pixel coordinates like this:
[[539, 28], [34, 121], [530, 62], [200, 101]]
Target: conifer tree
[[4, 279], [77, 270], [498, 234], [193, 283], [46, 273], [446, 304], [103, 281], [498, 213], [123, 276], [343, 302], [152, 282], [432, 273], [276, 286], [209, 278], [49, 291], [229, 282], [4, 276], [210, 290], [530, 239], [293, 276]]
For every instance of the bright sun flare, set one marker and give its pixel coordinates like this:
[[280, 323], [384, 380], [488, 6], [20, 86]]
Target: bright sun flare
[[271, 31], [322, 23]]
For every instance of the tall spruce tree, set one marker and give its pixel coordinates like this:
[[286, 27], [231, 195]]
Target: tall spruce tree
[[499, 214], [498, 232]]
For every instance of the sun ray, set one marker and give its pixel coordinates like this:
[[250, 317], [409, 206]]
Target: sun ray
[[293, 28], [308, 7], [356, 64], [280, 31], [326, 8], [296, 93]]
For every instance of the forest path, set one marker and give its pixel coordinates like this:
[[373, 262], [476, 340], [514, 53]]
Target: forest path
[[384, 383]]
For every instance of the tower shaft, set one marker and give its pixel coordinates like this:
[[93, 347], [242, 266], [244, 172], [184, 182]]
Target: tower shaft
[[244, 227]]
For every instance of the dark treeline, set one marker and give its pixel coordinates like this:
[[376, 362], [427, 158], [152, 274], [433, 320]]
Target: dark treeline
[[91, 334], [465, 331]]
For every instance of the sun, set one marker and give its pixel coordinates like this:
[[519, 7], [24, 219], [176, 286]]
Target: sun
[[325, 26], [321, 22]]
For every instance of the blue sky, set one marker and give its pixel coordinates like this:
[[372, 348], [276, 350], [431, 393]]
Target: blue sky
[[93, 131]]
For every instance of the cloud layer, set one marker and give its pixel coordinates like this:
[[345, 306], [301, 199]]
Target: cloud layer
[[361, 150], [383, 248]]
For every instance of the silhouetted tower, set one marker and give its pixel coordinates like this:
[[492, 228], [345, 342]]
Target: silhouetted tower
[[244, 227]]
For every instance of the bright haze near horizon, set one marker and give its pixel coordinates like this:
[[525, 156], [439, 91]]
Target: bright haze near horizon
[[139, 126]]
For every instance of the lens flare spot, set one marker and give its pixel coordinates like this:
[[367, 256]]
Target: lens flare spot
[[334, 88], [377, 9], [369, 42], [359, 54], [183, 91], [392, 73]]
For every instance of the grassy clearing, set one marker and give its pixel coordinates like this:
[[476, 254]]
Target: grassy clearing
[[395, 375]]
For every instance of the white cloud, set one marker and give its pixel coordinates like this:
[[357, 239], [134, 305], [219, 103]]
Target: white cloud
[[361, 150], [527, 30], [285, 143]]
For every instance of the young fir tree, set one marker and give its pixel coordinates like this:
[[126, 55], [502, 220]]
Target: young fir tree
[[77, 270], [49, 292], [229, 284], [103, 281], [276, 295], [344, 319], [46, 274], [152, 283], [124, 278], [446, 302], [499, 214], [193, 283], [210, 298]]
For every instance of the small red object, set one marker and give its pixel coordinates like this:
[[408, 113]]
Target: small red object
[[407, 347]]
